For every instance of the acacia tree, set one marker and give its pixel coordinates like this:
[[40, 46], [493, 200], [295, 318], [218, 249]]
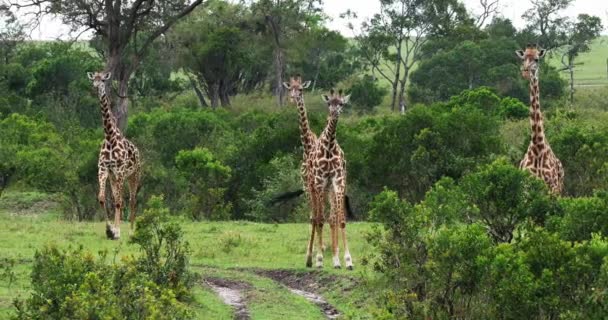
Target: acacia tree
[[217, 47], [281, 20], [11, 34], [545, 22], [393, 39], [579, 37], [124, 29]]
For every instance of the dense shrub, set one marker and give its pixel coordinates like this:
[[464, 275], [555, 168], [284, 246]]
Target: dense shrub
[[74, 284], [207, 179], [506, 196], [366, 93], [437, 262], [413, 151], [511, 108], [581, 218], [582, 149], [287, 178]]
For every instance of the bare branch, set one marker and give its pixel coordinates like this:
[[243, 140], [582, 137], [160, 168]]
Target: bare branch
[[166, 27], [490, 8]]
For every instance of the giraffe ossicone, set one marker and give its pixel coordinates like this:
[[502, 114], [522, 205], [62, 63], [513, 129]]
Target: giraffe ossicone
[[119, 160]]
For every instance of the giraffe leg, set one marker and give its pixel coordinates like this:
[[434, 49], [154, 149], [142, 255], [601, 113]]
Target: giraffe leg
[[102, 176], [312, 231], [118, 201], [319, 208], [341, 220], [133, 181], [334, 232]]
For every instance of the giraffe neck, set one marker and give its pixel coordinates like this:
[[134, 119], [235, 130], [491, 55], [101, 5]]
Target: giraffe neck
[[110, 128], [329, 133], [305, 133], [536, 116]]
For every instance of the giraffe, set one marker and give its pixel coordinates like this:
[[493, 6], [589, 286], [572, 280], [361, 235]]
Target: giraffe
[[539, 159], [118, 159], [308, 138], [329, 170]]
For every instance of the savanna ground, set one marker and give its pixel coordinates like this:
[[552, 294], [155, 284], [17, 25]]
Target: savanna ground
[[260, 259]]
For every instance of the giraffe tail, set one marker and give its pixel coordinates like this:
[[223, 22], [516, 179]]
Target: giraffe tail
[[350, 213], [285, 197]]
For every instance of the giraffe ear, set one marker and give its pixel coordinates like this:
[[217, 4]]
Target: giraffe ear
[[346, 99], [107, 76], [325, 98], [90, 75], [541, 53], [519, 53], [306, 84], [286, 85]]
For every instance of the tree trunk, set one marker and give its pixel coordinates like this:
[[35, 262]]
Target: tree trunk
[[278, 69], [224, 94], [397, 76], [403, 84], [122, 106], [571, 84], [199, 93], [215, 95]]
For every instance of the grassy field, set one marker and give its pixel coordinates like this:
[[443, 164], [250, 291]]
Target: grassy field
[[591, 66], [253, 254]]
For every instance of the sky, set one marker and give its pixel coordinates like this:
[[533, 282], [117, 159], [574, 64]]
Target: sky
[[511, 9]]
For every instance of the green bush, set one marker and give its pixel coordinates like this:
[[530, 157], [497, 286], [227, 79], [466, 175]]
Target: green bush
[[366, 93], [74, 284], [581, 218], [207, 179], [511, 108], [287, 178], [413, 151], [506, 196], [581, 148]]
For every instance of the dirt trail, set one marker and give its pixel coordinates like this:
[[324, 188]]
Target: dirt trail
[[302, 284], [231, 292]]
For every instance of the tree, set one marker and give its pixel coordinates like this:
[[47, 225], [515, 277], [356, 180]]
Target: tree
[[393, 39], [223, 55], [544, 21], [11, 34], [124, 30], [325, 56], [579, 37], [281, 20]]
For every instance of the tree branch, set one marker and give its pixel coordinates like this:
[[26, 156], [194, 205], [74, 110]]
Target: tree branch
[[166, 27]]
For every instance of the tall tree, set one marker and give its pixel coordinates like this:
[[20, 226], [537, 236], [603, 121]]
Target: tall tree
[[578, 38], [123, 29], [545, 22], [282, 20], [11, 34], [393, 39], [218, 46]]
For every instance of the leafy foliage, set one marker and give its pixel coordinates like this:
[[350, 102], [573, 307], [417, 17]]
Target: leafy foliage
[[366, 93], [73, 283]]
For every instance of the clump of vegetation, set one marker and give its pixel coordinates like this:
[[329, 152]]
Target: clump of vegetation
[[366, 93], [73, 283], [479, 249]]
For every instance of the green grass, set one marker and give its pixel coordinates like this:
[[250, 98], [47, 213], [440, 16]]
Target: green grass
[[591, 66], [219, 249]]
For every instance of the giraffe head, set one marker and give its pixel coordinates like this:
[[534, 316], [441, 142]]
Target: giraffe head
[[99, 78], [335, 101], [295, 87], [530, 57]]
